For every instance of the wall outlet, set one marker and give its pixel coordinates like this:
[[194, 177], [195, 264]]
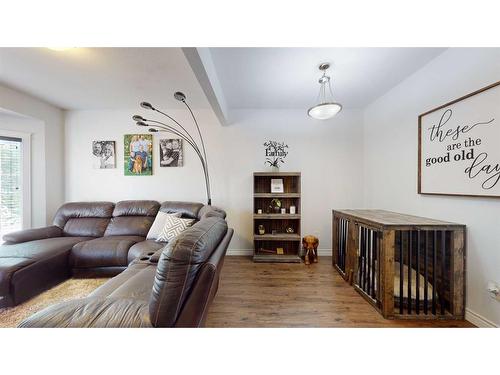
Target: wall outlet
[[494, 290]]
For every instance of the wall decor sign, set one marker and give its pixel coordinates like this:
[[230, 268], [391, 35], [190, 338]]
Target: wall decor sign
[[276, 153], [459, 146], [138, 154], [171, 153], [103, 154]]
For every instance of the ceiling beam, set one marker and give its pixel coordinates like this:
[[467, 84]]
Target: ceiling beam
[[203, 67]]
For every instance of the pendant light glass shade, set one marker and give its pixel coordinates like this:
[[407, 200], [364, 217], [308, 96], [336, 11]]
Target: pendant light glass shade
[[324, 111], [326, 108]]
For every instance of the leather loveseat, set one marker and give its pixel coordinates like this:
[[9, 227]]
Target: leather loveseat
[[157, 284]]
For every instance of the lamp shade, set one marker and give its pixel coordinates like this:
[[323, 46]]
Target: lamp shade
[[324, 111]]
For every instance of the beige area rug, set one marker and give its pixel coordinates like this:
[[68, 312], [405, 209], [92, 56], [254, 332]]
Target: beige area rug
[[70, 289]]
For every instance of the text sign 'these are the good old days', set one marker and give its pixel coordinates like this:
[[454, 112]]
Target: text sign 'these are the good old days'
[[459, 146]]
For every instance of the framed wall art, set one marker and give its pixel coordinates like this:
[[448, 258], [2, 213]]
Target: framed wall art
[[138, 154], [459, 146], [171, 154], [103, 154]]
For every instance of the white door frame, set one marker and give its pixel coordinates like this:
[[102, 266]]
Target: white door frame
[[26, 176]]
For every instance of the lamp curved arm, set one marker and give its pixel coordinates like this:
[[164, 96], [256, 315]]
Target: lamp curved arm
[[175, 131], [177, 122], [205, 171], [201, 138]]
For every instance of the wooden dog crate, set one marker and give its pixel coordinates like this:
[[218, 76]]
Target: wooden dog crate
[[407, 267]]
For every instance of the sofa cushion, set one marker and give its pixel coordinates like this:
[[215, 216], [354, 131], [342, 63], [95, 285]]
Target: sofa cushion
[[188, 210], [178, 267], [211, 211], [29, 268], [135, 282], [132, 218], [84, 218], [40, 248], [136, 208], [109, 251], [92, 313], [86, 226], [129, 226], [32, 234], [143, 248]]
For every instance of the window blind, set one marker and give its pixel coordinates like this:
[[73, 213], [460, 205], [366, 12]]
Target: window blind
[[10, 184]]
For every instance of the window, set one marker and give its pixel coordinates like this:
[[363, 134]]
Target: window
[[14, 184]]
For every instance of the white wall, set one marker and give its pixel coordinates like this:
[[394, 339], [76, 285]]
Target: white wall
[[48, 124], [390, 162], [328, 154]]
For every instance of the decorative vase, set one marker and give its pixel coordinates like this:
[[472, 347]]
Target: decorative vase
[[275, 169], [262, 230]]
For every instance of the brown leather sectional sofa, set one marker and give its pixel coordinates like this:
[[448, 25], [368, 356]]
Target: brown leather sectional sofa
[[157, 284]]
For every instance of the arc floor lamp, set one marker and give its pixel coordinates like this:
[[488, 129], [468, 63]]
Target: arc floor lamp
[[176, 128]]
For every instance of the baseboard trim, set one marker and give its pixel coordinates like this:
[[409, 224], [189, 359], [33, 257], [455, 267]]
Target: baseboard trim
[[239, 252], [478, 320], [249, 252]]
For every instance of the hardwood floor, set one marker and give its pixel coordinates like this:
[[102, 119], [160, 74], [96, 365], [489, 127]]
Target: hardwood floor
[[294, 295]]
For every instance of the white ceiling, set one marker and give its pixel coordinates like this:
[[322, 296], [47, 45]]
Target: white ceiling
[[112, 78], [101, 78], [288, 77]]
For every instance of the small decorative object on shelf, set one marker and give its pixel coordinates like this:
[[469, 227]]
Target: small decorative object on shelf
[[282, 231], [310, 244], [292, 210], [277, 185], [259, 211], [262, 230], [275, 154], [275, 205]]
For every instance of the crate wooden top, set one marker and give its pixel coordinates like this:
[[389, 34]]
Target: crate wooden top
[[394, 219], [272, 174]]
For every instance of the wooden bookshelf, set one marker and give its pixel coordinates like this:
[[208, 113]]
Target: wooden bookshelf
[[266, 245]]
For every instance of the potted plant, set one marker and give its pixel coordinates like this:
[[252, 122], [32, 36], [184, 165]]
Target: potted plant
[[275, 205]]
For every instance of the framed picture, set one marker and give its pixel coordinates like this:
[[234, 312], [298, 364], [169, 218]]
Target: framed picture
[[171, 154], [138, 154], [277, 185], [459, 146], [103, 154]]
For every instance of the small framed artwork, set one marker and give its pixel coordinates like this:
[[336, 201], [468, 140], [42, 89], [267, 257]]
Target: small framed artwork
[[138, 152], [277, 185], [459, 146], [103, 154], [171, 154]]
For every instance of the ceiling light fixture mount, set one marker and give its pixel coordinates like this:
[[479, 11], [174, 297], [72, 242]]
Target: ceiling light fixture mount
[[326, 107]]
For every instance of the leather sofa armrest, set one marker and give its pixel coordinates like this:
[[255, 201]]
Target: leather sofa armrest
[[33, 234]]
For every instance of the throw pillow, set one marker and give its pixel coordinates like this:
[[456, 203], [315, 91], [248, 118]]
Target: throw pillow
[[173, 227], [158, 224]]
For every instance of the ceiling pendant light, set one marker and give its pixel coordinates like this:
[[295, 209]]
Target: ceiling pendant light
[[326, 107]]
